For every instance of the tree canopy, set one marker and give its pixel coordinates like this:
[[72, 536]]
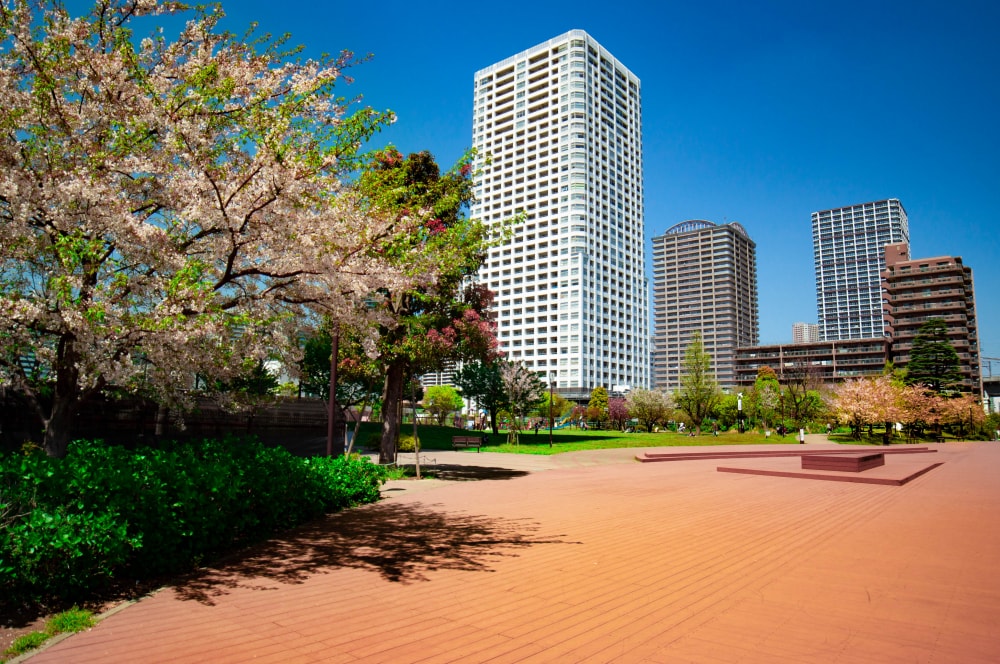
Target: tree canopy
[[699, 392], [168, 208], [933, 360]]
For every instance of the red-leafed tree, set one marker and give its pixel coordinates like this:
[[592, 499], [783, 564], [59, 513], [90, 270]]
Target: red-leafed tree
[[440, 319]]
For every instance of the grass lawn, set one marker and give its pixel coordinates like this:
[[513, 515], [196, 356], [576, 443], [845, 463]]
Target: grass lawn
[[571, 440]]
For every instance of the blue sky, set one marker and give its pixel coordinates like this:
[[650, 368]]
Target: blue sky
[[759, 112]]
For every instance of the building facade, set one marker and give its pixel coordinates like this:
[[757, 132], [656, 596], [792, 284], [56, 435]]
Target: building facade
[[916, 291], [558, 134], [814, 362], [848, 253], [705, 281], [803, 333]]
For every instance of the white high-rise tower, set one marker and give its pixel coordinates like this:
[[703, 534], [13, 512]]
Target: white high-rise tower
[[558, 129]]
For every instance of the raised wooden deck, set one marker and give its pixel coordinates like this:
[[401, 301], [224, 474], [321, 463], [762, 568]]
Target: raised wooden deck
[[848, 463]]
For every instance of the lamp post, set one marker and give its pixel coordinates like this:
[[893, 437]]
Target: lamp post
[[739, 410], [552, 378]]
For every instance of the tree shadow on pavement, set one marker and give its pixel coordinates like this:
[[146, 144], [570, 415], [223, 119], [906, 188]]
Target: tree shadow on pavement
[[401, 543], [454, 472]]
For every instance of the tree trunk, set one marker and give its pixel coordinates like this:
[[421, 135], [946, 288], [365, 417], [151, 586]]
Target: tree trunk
[[66, 400], [58, 426], [393, 397]]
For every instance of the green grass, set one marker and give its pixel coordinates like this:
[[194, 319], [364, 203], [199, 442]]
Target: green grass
[[73, 620], [570, 440]]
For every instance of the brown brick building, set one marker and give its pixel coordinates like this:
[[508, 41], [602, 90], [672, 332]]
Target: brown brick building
[[915, 291]]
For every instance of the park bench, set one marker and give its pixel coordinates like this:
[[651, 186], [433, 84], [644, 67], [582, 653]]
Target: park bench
[[461, 442]]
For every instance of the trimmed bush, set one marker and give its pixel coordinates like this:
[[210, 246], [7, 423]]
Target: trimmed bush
[[68, 526]]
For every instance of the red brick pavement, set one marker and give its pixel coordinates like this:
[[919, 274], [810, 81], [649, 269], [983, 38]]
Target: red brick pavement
[[658, 562]]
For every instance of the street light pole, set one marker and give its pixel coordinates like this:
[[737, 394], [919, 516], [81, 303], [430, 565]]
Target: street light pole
[[739, 410], [551, 381]]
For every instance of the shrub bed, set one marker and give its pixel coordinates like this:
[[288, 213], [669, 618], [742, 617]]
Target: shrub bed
[[68, 526]]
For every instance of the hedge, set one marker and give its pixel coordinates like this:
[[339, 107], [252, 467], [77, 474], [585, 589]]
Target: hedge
[[68, 526]]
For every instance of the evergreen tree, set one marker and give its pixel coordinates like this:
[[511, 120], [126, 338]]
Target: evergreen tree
[[933, 360]]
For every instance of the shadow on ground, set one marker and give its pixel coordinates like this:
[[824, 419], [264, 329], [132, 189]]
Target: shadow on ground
[[451, 472], [401, 543]]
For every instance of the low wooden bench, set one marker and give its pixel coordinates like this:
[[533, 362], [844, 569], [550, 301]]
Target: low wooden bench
[[462, 442], [851, 463]]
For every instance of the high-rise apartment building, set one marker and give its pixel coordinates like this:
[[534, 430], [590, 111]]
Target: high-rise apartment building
[[558, 130], [916, 291], [704, 280], [848, 252], [804, 333]]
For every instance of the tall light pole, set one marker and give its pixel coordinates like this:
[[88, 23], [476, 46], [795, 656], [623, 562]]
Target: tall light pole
[[552, 378], [739, 410]]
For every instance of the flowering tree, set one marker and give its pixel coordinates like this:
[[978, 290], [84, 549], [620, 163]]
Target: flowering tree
[[168, 208], [617, 413], [650, 407], [524, 391], [867, 401]]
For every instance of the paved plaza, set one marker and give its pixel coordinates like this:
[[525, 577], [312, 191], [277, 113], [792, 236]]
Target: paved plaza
[[593, 557]]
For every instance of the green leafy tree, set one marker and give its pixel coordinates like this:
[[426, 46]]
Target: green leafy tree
[[359, 378], [441, 401], [803, 399], [727, 410], [561, 406], [481, 382], [933, 360], [441, 319], [597, 407], [699, 393]]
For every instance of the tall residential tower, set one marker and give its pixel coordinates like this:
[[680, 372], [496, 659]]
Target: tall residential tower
[[848, 252], [558, 130], [704, 280]]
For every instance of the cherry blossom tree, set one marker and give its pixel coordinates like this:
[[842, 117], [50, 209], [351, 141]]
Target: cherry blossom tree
[[617, 413], [168, 208], [868, 401], [650, 407], [524, 389]]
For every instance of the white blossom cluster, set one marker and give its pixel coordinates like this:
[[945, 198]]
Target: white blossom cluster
[[171, 208]]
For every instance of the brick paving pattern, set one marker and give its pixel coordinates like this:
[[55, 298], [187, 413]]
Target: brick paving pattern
[[605, 562]]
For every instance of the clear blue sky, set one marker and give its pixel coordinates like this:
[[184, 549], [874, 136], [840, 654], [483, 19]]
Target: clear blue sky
[[759, 112]]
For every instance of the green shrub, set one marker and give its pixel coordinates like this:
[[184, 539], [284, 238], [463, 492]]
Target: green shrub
[[70, 525], [407, 444]]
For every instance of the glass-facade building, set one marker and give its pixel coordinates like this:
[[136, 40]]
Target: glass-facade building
[[849, 256]]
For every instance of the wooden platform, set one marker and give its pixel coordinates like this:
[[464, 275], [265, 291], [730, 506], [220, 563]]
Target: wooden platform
[[849, 463], [746, 452]]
